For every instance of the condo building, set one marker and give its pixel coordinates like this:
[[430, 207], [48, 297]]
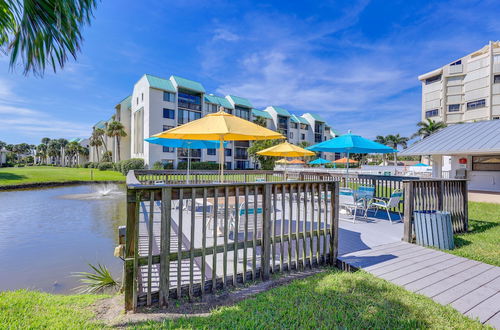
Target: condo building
[[465, 90], [158, 104]]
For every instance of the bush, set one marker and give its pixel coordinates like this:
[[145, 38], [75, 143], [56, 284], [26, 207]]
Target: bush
[[104, 166], [87, 165], [131, 164], [107, 157], [199, 166], [162, 166], [117, 166]]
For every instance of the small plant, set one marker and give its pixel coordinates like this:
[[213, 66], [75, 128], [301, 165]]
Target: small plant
[[99, 281]]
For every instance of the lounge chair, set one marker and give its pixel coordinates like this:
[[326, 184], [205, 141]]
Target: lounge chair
[[349, 203], [392, 202]]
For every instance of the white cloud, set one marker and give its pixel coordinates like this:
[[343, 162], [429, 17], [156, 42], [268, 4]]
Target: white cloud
[[225, 35]]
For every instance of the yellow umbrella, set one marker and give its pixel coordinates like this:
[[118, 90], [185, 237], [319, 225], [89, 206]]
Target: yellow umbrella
[[220, 126], [296, 161], [282, 161], [286, 149]]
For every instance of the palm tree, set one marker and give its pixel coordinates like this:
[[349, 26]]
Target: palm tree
[[96, 142], [62, 145], [394, 142], [383, 140], [99, 132], [117, 130], [82, 152], [2, 145], [42, 33], [53, 150], [41, 152], [72, 151], [261, 121], [428, 128]]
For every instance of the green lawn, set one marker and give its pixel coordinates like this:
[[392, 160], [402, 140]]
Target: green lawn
[[39, 174], [35, 310], [333, 299], [482, 242]]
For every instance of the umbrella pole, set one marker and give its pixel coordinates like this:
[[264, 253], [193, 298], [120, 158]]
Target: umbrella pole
[[189, 165], [221, 160], [347, 179]]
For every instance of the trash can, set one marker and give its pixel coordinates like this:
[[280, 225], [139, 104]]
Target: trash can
[[433, 228]]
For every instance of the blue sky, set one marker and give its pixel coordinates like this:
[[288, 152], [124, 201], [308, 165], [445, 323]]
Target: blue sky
[[354, 62]]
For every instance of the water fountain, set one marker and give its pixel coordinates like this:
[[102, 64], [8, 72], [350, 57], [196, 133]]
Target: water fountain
[[99, 191]]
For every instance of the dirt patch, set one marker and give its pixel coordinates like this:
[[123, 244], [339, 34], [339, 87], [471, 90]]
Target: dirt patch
[[110, 311]]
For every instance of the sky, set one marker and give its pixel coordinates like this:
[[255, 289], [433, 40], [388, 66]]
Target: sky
[[355, 63]]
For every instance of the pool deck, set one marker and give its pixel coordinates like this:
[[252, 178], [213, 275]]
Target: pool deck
[[374, 245]]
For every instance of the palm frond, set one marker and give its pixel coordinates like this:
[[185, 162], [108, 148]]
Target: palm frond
[[99, 281]]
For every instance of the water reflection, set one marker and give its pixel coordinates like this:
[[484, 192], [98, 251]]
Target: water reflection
[[46, 234]]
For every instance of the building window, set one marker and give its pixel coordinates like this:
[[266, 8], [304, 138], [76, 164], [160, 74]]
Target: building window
[[168, 149], [432, 113], [189, 100], [432, 79], [456, 63], [185, 116], [302, 136], [228, 152], [142, 96], [229, 166], [242, 112], [476, 104], [304, 127], [242, 164], [291, 135], [453, 107], [168, 113], [486, 163], [211, 152], [168, 97], [137, 100], [167, 127], [211, 107], [240, 153], [496, 79], [295, 125], [496, 59]]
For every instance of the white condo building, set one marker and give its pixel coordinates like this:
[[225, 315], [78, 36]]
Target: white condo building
[[465, 90], [158, 104]]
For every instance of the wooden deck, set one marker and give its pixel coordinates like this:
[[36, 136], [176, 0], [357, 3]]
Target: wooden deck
[[471, 287]]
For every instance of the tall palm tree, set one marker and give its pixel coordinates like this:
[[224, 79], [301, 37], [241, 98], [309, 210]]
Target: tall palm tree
[[117, 130], [383, 140], [394, 141], [100, 133], [41, 33], [62, 145], [53, 150], [95, 142], [82, 152], [72, 151], [41, 152], [428, 128]]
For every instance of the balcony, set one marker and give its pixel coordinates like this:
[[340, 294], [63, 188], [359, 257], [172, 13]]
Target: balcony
[[189, 105]]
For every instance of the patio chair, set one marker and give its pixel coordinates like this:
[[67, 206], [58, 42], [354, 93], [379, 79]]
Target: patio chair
[[242, 212], [392, 202], [349, 203]]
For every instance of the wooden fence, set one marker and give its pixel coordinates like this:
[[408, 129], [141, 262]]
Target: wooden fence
[[188, 240], [436, 194]]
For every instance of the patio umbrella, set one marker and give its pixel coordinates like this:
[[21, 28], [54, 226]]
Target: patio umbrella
[[282, 161], [351, 144], [296, 161], [345, 161], [186, 144], [285, 149], [319, 161], [220, 126]]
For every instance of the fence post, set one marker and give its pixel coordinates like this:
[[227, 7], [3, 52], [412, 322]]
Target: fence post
[[166, 207], [408, 211], [440, 194], [266, 233], [130, 243], [334, 225]]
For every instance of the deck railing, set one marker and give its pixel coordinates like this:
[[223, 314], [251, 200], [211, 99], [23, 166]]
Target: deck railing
[[188, 240], [436, 194]]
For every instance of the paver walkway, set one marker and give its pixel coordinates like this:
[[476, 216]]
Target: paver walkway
[[471, 287]]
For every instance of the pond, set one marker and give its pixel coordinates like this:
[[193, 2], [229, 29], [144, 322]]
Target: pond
[[48, 234]]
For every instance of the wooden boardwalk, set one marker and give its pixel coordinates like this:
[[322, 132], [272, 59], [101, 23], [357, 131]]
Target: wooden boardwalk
[[471, 287]]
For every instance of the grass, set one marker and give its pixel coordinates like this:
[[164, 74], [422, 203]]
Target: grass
[[482, 242], [41, 174], [24, 309], [332, 299]]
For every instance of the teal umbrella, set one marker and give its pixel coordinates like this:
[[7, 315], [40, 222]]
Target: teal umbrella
[[319, 161], [186, 144], [351, 144]]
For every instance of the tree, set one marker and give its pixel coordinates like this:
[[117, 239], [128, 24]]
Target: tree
[[261, 121], [117, 130], [53, 150], [62, 145], [41, 33], [2, 145], [100, 133], [382, 140], [96, 142], [266, 162], [394, 142], [72, 151], [428, 128], [41, 152]]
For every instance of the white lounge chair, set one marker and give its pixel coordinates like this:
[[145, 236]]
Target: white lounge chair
[[349, 203], [392, 202]]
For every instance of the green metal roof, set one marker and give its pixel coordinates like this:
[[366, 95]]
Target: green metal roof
[[100, 124], [160, 83], [222, 101], [260, 113], [300, 120], [281, 111], [75, 140], [240, 101], [126, 102], [317, 117], [189, 84]]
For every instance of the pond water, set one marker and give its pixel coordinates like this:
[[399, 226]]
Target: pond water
[[47, 234]]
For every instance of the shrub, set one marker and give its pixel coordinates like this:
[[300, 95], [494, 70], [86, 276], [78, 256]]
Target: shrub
[[131, 164], [19, 165], [199, 166], [158, 165], [117, 166], [87, 165], [104, 166], [106, 157]]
